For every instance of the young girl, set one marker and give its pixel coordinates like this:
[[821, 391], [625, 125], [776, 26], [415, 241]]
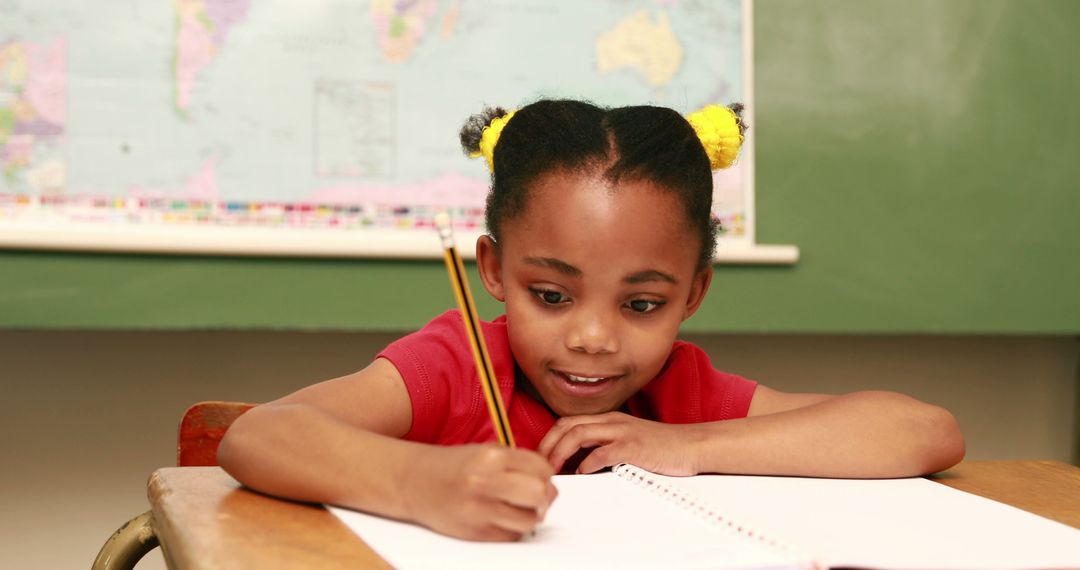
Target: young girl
[[599, 247]]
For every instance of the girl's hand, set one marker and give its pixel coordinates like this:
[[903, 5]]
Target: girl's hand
[[481, 492], [620, 438]]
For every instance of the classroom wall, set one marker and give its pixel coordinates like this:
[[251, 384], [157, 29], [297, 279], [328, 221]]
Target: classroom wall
[[922, 154], [87, 416]]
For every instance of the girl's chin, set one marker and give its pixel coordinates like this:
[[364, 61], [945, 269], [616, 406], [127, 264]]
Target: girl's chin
[[564, 407]]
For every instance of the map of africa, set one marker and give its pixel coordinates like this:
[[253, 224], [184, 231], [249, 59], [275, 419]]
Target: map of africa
[[322, 114]]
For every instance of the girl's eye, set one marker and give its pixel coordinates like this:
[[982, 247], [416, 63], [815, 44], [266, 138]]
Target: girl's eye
[[549, 297], [644, 306]]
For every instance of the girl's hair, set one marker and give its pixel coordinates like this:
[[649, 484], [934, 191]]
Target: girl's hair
[[630, 143]]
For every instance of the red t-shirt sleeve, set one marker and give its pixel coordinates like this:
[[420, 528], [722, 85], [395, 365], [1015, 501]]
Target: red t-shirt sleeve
[[436, 364], [727, 397]]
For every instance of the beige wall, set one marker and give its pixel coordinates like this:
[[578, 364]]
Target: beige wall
[[88, 416]]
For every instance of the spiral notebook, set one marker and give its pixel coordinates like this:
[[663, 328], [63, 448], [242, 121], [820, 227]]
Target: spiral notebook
[[630, 518]]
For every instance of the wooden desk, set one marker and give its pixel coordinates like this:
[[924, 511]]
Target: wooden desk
[[1047, 488], [205, 519]]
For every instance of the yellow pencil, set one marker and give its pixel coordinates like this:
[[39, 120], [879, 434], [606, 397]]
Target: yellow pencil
[[472, 329]]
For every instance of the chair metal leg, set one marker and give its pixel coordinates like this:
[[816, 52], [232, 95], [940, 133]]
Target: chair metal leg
[[128, 544]]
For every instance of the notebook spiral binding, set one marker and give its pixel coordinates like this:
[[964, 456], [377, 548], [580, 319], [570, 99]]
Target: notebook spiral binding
[[708, 513]]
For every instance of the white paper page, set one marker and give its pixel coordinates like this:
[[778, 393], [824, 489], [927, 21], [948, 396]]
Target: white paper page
[[598, 521], [897, 523]]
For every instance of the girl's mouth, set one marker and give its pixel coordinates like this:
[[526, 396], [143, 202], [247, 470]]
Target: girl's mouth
[[582, 385], [585, 379]]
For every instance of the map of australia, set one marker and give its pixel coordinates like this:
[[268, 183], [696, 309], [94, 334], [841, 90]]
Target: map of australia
[[643, 44]]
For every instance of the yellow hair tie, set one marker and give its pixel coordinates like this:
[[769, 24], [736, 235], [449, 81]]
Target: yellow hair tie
[[490, 137], [718, 129]]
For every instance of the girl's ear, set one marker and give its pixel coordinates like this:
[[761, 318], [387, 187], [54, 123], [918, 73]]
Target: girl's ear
[[490, 267], [698, 287]]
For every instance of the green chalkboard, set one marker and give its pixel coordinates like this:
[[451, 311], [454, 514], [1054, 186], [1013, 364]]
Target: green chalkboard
[[923, 155]]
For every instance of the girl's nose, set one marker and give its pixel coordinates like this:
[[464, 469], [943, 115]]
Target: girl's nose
[[592, 334]]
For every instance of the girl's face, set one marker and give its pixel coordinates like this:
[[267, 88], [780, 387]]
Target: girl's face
[[596, 282]]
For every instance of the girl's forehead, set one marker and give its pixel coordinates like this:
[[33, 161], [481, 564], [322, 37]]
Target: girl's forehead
[[564, 193], [583, 218]]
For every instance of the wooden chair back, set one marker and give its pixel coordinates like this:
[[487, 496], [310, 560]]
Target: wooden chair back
[[201, 429]]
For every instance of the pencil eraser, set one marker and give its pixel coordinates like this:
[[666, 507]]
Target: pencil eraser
[[442, 224], [442, 221]]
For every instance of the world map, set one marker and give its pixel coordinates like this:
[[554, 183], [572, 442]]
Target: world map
[[328, 113]]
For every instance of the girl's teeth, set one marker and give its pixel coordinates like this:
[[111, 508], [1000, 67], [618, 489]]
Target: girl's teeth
[[582, 379]]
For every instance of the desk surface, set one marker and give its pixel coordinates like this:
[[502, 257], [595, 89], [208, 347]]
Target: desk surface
[[205, 519]]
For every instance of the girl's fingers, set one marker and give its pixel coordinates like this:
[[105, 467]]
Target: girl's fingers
[[529, 463], [600, 458], [583, 435], [517, 490], [514, 519], [491, 533], [562, 426]]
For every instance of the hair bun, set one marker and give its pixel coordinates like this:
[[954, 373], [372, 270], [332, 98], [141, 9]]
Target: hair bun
[[720, 130], [481, 133]]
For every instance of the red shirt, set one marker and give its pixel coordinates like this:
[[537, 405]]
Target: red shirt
[[448, 406]]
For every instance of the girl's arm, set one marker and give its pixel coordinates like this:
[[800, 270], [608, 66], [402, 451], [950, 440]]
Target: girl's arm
[[337, 442], [861, 434], [857, 435]]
